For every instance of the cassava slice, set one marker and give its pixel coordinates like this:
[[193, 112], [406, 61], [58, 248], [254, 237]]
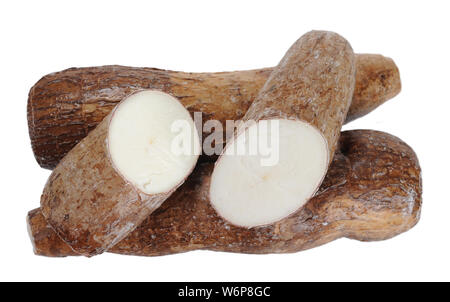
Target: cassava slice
[[121, 172], [63, 107], [372, 191], [300, 110]]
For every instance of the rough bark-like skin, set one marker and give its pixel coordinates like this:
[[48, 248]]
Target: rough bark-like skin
[[372, 191], [314, 83], [88, 203], [43, 237], [64, 107]]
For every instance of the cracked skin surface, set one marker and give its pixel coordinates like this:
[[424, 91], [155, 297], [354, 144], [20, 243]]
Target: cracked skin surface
[[63, 107], [372, 191]]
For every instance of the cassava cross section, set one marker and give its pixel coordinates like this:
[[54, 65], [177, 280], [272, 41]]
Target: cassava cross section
[[63, 107], [300, 110], [372, 191], [120, 173]]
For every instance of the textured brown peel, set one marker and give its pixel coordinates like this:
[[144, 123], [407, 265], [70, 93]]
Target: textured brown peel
[[88, 202], [63, 107], [372, 191]]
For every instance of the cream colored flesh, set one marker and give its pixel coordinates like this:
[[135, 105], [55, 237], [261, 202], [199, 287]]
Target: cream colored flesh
[[143, 131], [247, 193]]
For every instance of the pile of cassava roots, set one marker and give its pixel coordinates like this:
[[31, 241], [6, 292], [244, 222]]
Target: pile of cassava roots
[[131, 174]]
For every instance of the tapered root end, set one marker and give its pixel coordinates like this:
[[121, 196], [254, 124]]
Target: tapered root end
[[44, 239]]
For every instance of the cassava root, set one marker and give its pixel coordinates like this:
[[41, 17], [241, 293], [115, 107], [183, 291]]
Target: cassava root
[[120, 173], [300, 110], [63, 107], [372, 191]]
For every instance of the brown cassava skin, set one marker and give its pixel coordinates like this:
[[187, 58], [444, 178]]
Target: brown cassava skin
[[372, 191], [87, 201], [64, 107]]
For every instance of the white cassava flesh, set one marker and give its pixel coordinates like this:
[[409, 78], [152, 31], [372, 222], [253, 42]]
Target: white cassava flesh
[[255, 189], [142, 141]]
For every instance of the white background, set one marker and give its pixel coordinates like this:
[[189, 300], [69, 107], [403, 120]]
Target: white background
[[39, 37]]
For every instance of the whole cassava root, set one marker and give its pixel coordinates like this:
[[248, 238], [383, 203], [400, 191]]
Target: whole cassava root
[[64, 107], [372, 191], [118, 174], [305, 103]]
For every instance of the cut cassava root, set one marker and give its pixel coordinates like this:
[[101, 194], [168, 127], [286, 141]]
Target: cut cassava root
[[121, 172], [64, 107], [372, 191], [301, 110]]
